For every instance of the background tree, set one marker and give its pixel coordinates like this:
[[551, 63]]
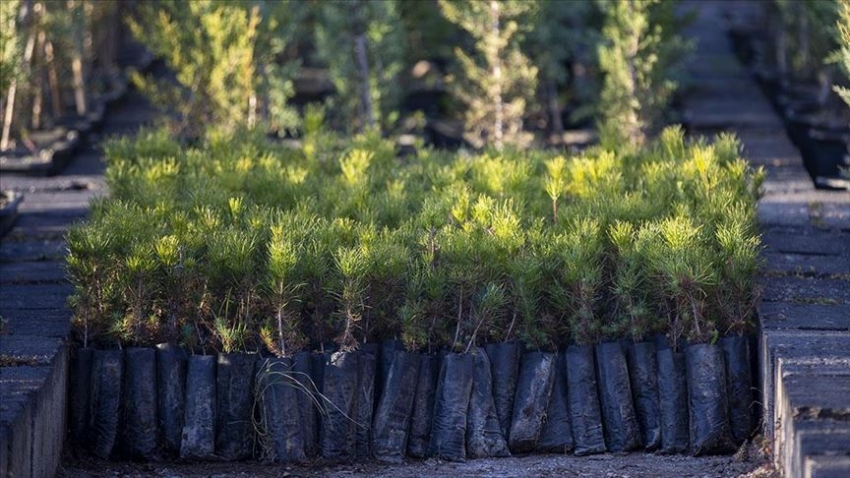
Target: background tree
[[842, 56], [498, 81], [225, 56], [640, 56], [363, 45]]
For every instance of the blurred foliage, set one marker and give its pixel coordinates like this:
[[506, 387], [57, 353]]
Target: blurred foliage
[[224, 54]]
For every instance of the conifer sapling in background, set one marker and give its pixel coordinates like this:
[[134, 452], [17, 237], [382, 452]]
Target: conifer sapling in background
[[498, 81]]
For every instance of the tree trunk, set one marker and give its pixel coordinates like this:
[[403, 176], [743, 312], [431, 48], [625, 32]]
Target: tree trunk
[[555, 109], [498, 120], [13, 87], [367, 118], [53, 80], [77, 63]]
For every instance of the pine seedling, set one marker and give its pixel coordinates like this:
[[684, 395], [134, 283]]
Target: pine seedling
[[138, 325], [387, 256], [534, 326], [90, 266], [498, 83], [351, 269], [488, 309], [579, 285], [737, 294], [555, 182], [630, 312], [281, 333], [687, 273], [231, 270], [412, 314], [177, 272]]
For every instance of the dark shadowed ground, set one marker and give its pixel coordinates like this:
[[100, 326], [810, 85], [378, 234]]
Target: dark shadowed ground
[[749, 463]]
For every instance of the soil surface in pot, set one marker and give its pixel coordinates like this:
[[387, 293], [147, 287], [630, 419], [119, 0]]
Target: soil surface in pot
[[748, 463]]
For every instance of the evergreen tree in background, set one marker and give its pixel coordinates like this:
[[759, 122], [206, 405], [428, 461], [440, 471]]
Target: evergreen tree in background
[[363, 45], [640, 56], [498, 81], [842, 56], [222, 53]]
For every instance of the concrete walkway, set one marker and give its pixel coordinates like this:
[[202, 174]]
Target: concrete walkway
[[33, 302], [804, 333]]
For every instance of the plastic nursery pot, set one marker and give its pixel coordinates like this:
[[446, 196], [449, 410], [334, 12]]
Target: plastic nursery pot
[[281, 437], [80, 395], [392, 419], [419, 435], [340, 389], [583, 401], [171, 362], [739, 382], [643, 373], [365, 400], [198, 437], [387, 353], [308, 399], [557, 436], [708, 400], [828, 152], [106, 374], [504, 368], [451, 404], [797, 124], [484, 438], [673, 401], [534, 387], [234, 437], [139, 425], [622, 432]]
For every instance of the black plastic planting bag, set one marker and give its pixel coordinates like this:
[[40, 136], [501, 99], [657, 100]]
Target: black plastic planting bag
[[622, 432], [643, 372], [387, 353], [234, 438], [534, 387], [710, 431], [198, 438], [392, 418], [340, 389], [740, 382], [484, 437], [80, 396], [107, 371], [139, 424], [171, 394], [504, 368], [451, 404], [419, 435], [308, 399], [364, 401], [583, 401], [557, 435], [281, 440], [673, 401]]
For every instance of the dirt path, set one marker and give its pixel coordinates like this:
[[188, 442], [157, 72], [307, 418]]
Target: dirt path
[[750, 464]]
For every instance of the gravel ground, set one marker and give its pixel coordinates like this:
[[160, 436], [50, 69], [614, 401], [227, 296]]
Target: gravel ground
[[748, 462]]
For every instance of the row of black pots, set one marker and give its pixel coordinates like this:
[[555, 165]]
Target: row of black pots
[[161, 403], [823, 138]]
